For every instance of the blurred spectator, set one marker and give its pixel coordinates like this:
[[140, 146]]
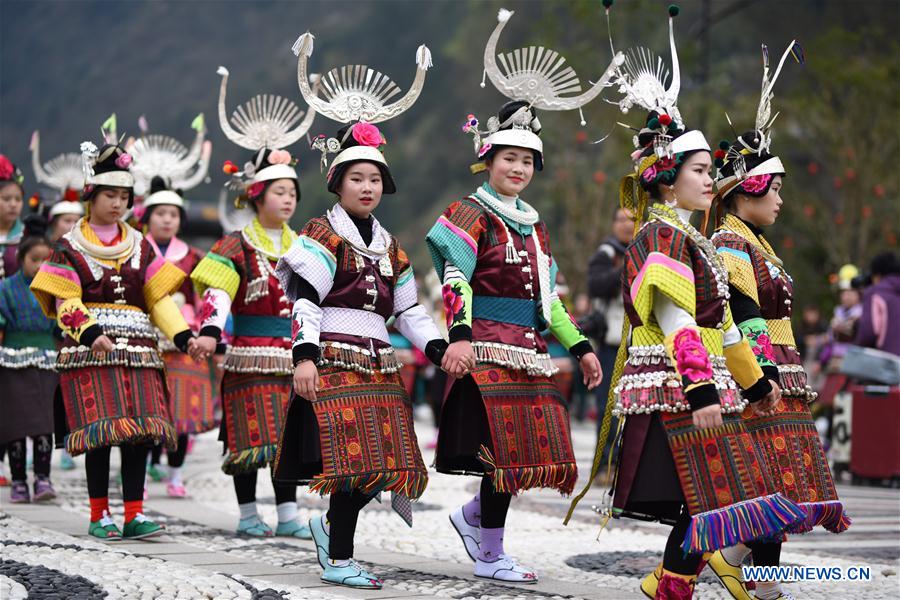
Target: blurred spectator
[[812, 332], [841, 333], [604, 324], [879, 325]]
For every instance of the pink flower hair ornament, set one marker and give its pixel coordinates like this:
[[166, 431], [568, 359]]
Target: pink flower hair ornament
[[691, 357], [484, 150], [256, 189], [367, 134], [279, 157], [756, 184], [123, 161]]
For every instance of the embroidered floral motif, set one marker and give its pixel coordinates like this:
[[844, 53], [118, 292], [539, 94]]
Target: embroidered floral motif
[[74, 320], [208, 309], [296, 326], [454, 305], [764, 347], [691, 357]]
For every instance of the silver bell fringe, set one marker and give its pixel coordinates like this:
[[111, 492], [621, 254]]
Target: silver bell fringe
[[513, 357], [359, 359], [258, 359], [26, 358]]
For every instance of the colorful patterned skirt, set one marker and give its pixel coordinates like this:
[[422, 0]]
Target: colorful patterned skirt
[[111, 406], [191, 387], [367, 440], [509, 425], [254, 407], [796, 463], [721, 474]]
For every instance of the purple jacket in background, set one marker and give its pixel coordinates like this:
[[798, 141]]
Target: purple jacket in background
[[879, 326]]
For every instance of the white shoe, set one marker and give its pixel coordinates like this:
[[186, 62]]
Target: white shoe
[[505, 568], [470, 534]]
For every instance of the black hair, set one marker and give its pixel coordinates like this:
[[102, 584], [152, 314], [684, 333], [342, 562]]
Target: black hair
[[336, 176], [885, 263], [505, 112], [653, 127], [749, 140], [106, 163], [35, 234]]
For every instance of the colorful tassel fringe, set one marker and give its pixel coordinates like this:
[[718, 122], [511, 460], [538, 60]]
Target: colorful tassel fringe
[[512, 480], [250, 459], [743, 522], [410, 483], [830, 515], [121, 430]]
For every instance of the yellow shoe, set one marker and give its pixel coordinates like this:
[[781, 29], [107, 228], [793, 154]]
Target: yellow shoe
[[651, 582], [730, 576]]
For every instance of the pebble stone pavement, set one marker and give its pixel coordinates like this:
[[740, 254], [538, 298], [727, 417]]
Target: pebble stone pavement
[[45, 551]]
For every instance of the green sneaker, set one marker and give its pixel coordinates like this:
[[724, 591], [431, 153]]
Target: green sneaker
[[141, 527], [293, 529], [155, 473], [105, 529]]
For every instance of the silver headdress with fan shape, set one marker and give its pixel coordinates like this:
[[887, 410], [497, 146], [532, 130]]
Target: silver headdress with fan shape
[[265, 121], [537, 76], [62, 172], [163, 156], [356, 93]]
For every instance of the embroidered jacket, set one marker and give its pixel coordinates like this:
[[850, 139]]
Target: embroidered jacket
[[492, 290], [762, 302], [27, 334], [682, 334], [186, 258], [121, 298], [357, 291], [238, 276]]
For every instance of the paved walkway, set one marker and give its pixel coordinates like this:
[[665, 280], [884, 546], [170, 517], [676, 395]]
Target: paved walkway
[[44, 549]]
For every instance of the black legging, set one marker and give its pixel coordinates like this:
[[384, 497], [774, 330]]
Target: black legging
[[765, 554], [134, 469], [173, 459], [43, 450], [674, 558], [343, 513], [494, 505], [245, 489]]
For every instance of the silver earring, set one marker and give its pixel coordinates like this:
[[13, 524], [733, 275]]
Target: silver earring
[[674, 201]]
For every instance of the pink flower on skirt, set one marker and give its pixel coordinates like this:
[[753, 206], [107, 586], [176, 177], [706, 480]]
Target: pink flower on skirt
[[691, 357]]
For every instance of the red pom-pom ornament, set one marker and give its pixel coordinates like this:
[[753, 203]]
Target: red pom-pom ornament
[[229, 168], [665, 120]]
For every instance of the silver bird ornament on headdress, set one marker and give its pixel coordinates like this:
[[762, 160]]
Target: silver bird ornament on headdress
[[62, 172], [357, 92], [166, 157], [265, 120], [538, 75]]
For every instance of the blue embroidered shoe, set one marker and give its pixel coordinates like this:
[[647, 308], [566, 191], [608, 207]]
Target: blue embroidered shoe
[[254, 527], [351, 575], [293, 529], [321, 538]]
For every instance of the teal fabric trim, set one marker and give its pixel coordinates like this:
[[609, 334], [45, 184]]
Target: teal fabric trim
[[444, 245], [320, 252], [29, 339], [515, 311], [261, 326]]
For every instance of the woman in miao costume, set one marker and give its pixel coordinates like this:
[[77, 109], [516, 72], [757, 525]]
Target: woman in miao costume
[[749, 182], [504, 420], [163, 168], [685, 457], [109, 291], [349, 431], [64, 174], [12, 200], [238, 277], [27, 368]]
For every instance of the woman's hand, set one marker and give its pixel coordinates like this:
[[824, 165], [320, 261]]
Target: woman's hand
[[102, 346], [202, 348], [708, 417], [769, 403], [593, 372], [459, 359], [306, 379]]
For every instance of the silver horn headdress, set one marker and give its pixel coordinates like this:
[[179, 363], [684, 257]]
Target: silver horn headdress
[[163, 156], [356, 93], [539, 78], [64, 174]]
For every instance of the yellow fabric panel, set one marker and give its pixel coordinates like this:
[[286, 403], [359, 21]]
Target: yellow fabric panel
[[780, 332], [166, 315], [218, 273], [741, 276], [164, 282], [656, 276], [729, 319], [741, 361], [47, 287], [74, 318]]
